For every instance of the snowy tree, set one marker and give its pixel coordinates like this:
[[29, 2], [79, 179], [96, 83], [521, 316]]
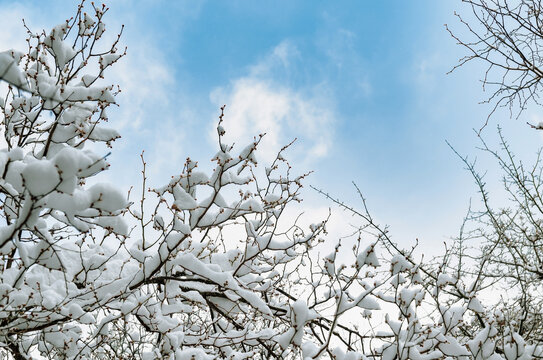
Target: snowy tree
[[209, 266], [57, 233]]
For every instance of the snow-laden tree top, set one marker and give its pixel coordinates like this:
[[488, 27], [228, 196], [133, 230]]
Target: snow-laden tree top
[[212, 265]]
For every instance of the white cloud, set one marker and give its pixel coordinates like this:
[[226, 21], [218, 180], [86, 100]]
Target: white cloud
[[147, 113], [146, 83], [280, 58], [257, 103], [13, 34]]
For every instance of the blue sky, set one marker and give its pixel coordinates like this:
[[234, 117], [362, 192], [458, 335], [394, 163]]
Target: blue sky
[[362, 85]]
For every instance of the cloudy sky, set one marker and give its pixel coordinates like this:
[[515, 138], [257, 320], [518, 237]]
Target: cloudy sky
[[362, 85]]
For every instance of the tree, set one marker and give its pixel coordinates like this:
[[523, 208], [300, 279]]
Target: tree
[[209, 266], [507, 36], [75, 283]]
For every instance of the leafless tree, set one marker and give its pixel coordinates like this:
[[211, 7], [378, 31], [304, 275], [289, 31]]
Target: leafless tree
[[504, 250], [507, 36]]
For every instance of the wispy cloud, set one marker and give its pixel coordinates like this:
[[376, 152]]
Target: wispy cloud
[[346, 62], [13, 33], [257, 103]]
